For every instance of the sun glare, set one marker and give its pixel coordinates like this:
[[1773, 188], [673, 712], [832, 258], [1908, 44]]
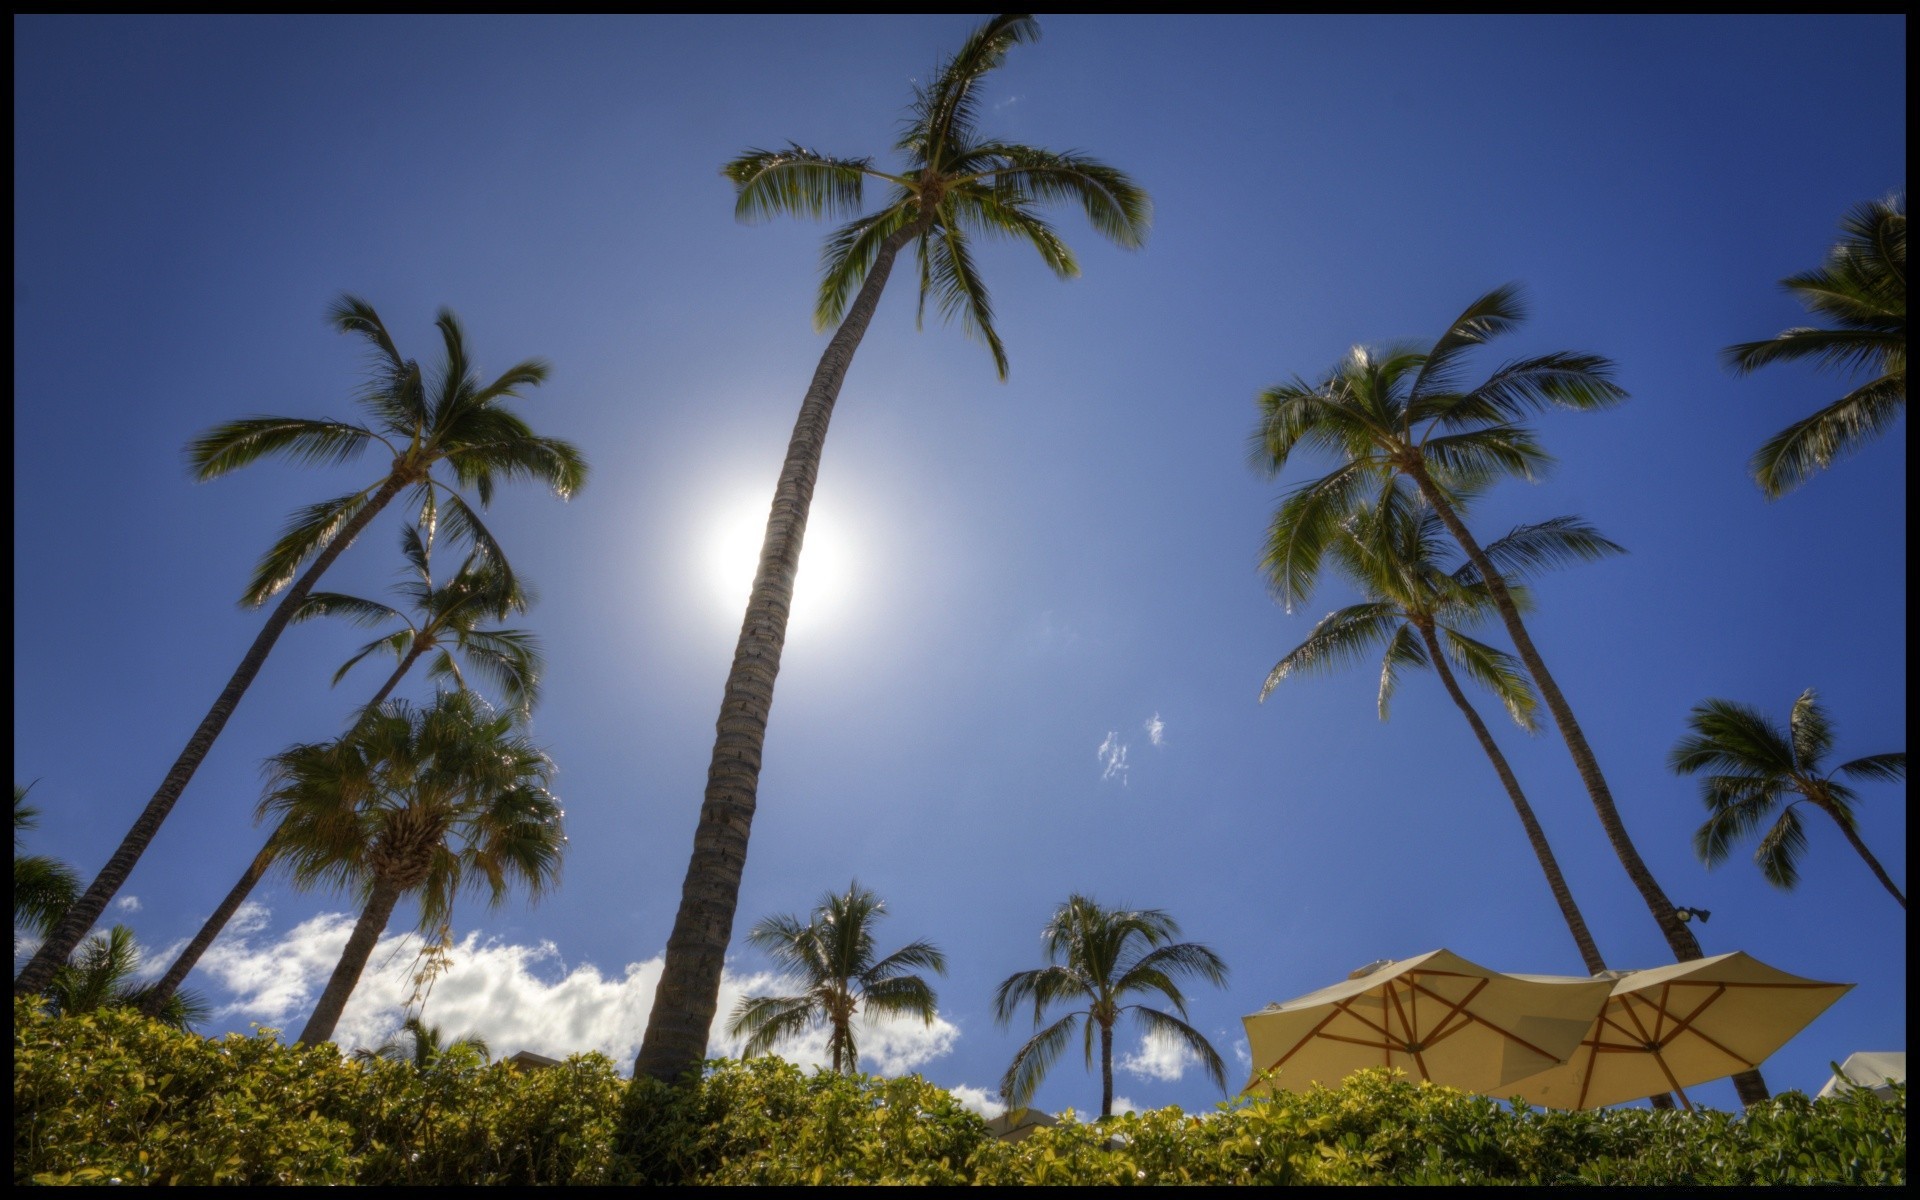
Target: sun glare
[[829, 566]]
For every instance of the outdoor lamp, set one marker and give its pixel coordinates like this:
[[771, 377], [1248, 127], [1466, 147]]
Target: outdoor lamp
[[1688, 914]]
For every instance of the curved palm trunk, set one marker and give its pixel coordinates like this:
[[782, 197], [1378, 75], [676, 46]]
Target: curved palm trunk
[[87, 910], [1106, 1070], [1879, 872], [1685, 946], [1562, 895], [189, 958], [689, 989], [353, 961]]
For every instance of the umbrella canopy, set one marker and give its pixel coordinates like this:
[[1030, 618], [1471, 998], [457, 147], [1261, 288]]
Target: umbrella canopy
[[1670, 1028], [1436, 1016]]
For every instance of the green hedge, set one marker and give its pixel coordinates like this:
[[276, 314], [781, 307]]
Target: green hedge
[[111, 1097]]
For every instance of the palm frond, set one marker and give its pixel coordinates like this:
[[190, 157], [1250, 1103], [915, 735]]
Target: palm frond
[[1789, 458], [1884, 768], [306, 441], [915, 956], [850, 253], [1306, 523], [1737, 805], [945, 113], [1117, 208], [396, 644], [1811, 731], [959, 291], [1033, 1060], [1196, 1043], [1338, 640], [905, 995], [350, 608], [1041, 987], [1486, 318], [766, 1021], [1497, 671], [1829, 349], [1733, 737], [796, 181], [1403, 650], [1779, 851], [1555, 542], [307, 532]]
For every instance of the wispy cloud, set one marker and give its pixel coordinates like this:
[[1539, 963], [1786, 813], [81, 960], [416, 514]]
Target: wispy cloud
[[1113, 757], [1156, 729], [517, 997], [1159, 1057], [128, 904]]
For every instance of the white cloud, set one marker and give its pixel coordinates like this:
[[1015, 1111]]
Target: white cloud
[[128, 904], [981, 1100], [1156, 729], [516, 997], [1121, 1105], [1113, 758], [1242, 1053], [1160, 1056]]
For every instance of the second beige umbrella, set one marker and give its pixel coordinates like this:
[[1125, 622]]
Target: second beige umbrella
[[1672, 1027], [1437, 1016]]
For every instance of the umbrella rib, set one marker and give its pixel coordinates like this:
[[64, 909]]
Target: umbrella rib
[[1411, 1030], [1510, 1036], [1686, 1026], [1440, 1030]]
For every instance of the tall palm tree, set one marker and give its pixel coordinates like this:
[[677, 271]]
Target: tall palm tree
[[1407, 412], [447, 626], [43, 887], [102, 975], [1415, 613], [1863, 290], [1756, 766], [421, 1045], [1098, 957], [954, 184], [830, 955], [426, 802], [445, 432]]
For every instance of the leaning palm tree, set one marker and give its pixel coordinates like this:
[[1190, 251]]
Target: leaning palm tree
[[445, 432], [447, 626], [1407, 411], [102, 975], [1756, 766], [830, 956], [1862, 289], [954, 185], [420, 1045], [426, 802], [43, 887], [1098, 957], [1395, 553]]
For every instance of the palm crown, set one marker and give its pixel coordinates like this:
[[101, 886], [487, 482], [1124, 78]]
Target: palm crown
[[1754, 767], [446, 618], [1098, 957], [831, 956], [447, 421], [43, 887], [955, 185], [1395, 552], [1863, 290]]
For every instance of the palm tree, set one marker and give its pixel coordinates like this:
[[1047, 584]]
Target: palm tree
[[1416, 606], [450, 423], [415, 801], [447, 619], [43, 887], [954, 184], [421, 1045], [1098, 957], [1756, 766], [1863, 289], [830, 955], [1407, 412], [101, 975]]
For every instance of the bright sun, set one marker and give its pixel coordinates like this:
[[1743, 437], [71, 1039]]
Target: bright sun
[[829, 567]]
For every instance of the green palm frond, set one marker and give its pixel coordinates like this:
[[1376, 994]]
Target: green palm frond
[[1403, 650], [797, 182], [1497, 671], [915, 956], [1555, 542], [1731, 736], [351, 608], [307, 533], [945, 114], [396, 644], [306, 441], [958, 290], [904, 996], [1471, 458], [1737, 806], [1778, 853], [1308, 520], [1810, 730], [848, 255], [1340, 639], [1885, 768], [1491, 315], [1789, 458], [1117, 208], [1033, 1059]]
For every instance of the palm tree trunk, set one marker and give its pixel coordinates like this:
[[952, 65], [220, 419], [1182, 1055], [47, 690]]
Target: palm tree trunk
[[1879, 872], [1680, 940], [1556, 882], [353, 961], [87, 909], [189, 958], [1106, 1069], [689, 989]]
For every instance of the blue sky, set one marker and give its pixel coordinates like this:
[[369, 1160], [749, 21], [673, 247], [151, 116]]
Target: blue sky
[[1009, 576]]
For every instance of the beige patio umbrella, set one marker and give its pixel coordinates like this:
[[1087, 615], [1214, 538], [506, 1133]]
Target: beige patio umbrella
[[1669, 1028], [1436, 1016]]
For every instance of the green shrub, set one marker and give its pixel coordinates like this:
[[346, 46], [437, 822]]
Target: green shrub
[[112, 1097]]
